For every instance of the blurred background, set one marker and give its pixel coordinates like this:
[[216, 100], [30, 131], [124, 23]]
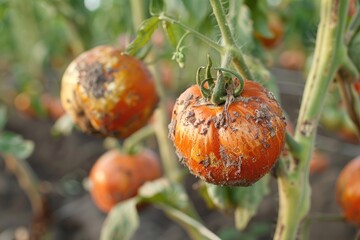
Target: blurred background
[[39, 38]]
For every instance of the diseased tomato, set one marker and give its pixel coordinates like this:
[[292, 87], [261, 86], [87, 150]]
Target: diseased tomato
[[116, 177], [348, 191], [107, 92], [234, 146]]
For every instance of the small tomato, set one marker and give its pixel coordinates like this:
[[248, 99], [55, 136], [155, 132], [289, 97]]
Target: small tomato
[[108, 92], [232, 146], [348, 191], [116, 177]]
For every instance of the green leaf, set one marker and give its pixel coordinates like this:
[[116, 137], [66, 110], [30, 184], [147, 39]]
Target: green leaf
[[15, 145], [259, 12], [173, 32], [2, 117], [157, 7], [354, 52], [197, 9], [121, 222], [172, 199], [144, 34], [247, 200]]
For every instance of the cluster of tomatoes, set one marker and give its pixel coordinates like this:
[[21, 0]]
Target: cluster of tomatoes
[[235, 143]]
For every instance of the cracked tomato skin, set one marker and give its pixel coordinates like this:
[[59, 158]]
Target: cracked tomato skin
[[233, 152], [348, 191], [107, 92], [116, 177]]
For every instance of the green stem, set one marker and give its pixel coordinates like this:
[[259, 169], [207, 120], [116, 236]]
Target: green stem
[[131, 142], [137, 11], [230, 45], [294, 189], [200, 36], [30, 184]]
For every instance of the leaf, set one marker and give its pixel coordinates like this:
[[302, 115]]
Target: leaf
[[247, 200], [144, 34], [173, 200], [259, 12], [2, 117], [173, 32], [15, 145], [197, 9], [121, 222], [157, 7]]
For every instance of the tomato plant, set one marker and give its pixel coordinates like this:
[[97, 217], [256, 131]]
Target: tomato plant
[[348, 191], [116, 177], [108, 92]]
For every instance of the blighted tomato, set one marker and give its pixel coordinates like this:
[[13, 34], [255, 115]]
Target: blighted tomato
[[348, 191], [107, 92], [116, 177], [232, 145]]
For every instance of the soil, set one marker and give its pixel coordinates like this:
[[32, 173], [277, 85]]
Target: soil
[[62, 163]]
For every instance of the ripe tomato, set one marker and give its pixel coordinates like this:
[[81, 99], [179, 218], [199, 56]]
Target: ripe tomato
[[276, 28], [319, 162], [348, 191], [233, 147], [108, 93], [116, 176]]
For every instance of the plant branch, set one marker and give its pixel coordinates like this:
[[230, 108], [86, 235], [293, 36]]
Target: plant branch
[[30, 184], [131, 142], [294, 189], [200, 36], [230, 45]]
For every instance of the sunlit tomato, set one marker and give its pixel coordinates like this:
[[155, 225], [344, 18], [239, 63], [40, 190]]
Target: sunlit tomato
[[108, 93], [348, 191], [233, 147], [319, 162], [276, 28], [116, 177]]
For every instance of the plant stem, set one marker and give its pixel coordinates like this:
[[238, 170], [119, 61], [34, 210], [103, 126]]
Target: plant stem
[[30, 184], [229, 42], [137, 7], [131, 142], [200, 36], [294, 189]]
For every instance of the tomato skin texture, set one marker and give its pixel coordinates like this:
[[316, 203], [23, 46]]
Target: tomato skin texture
[[237, 152], [116, 177], [348, 191], [109, 93]]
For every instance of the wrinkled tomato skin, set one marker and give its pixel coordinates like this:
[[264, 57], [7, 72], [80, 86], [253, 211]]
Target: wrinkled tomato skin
[[348, 191], [108, 93], [116, 177], [233, 152]]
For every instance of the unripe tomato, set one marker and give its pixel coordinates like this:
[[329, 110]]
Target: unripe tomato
[[116, 177], [108, 92], [233, 147], [348, 191]]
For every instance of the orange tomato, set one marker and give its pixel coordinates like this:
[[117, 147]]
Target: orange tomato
[[234, 146], [348, 191], [116, 177], [109, 93]]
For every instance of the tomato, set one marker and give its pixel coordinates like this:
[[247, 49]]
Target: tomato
[[109, 93], [116, 177], [276, 28], [348, 191], [234, 146], [319, 162], [292, 59]]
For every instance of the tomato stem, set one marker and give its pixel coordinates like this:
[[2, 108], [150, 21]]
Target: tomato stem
[[129, 145], [231, 49]]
